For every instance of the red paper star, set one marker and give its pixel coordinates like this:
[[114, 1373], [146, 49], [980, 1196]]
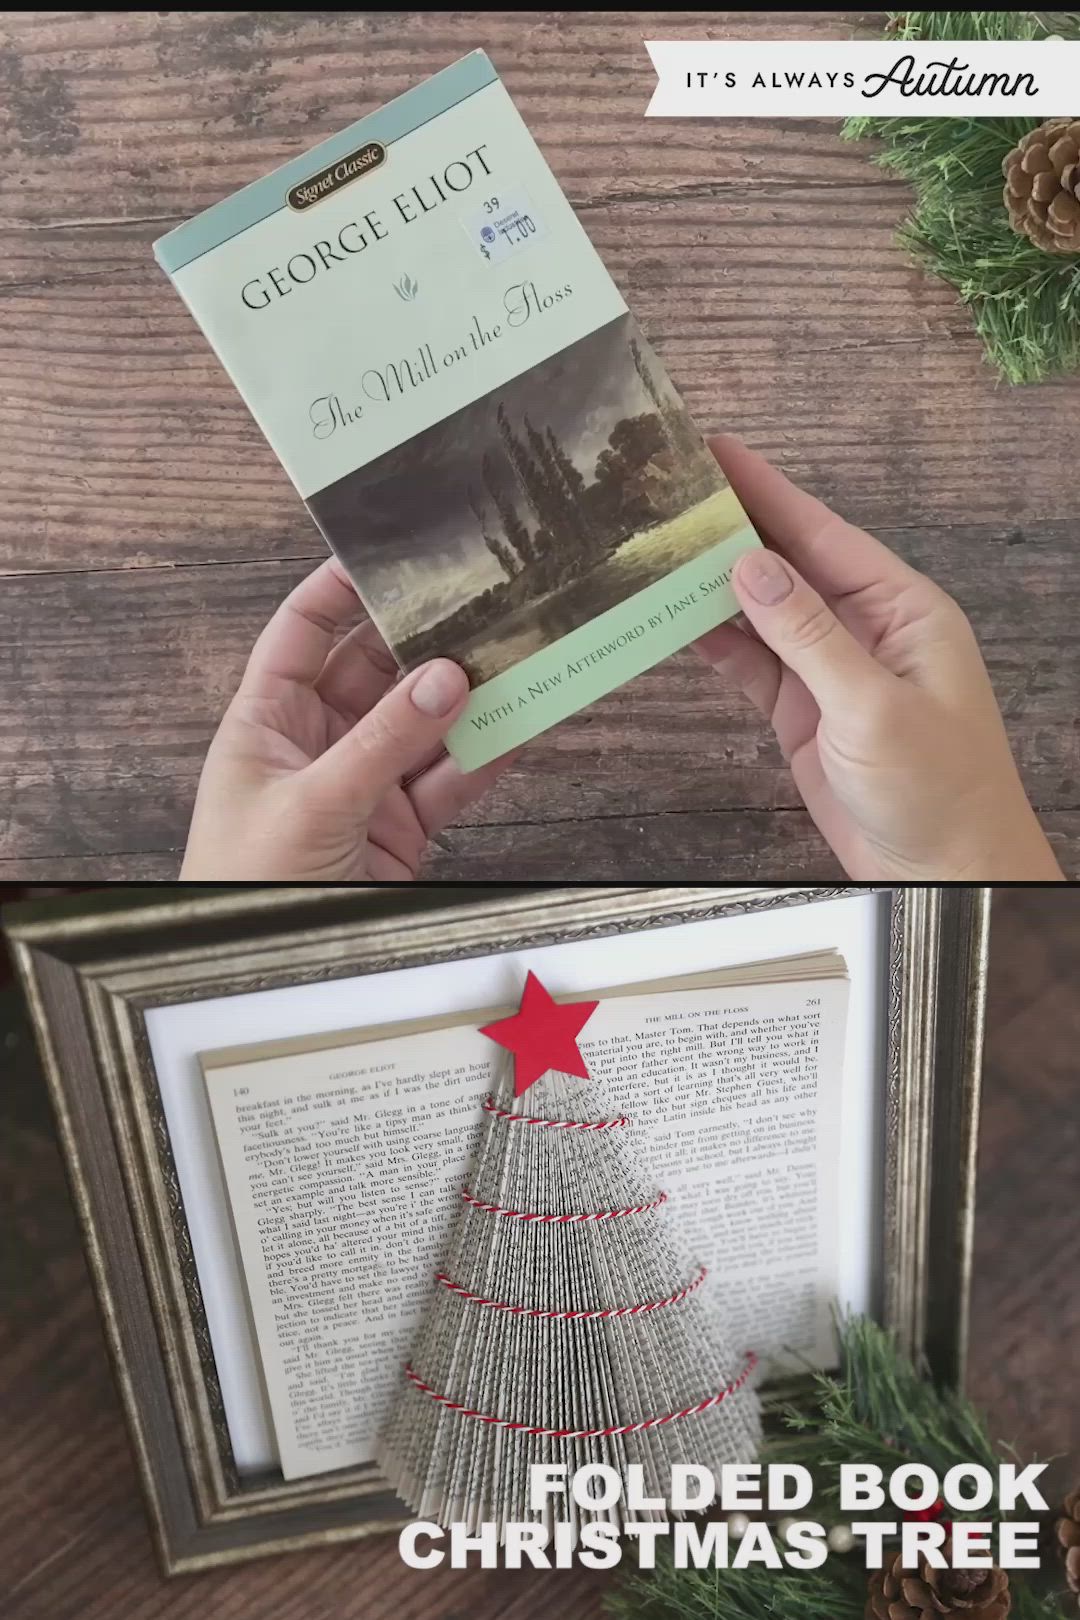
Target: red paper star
[[543, 1035]]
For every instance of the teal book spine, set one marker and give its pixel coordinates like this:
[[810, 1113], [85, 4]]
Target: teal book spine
[[422, 329]]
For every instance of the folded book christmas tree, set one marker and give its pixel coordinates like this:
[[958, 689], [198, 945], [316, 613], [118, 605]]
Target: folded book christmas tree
[[568, 1325]]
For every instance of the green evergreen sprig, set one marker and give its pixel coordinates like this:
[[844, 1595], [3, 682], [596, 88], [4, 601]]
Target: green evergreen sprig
[[878, 1409], [1025, 303], [837, 1591], [875, 1408]]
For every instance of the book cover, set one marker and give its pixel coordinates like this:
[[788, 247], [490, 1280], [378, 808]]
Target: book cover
[[453, 382]]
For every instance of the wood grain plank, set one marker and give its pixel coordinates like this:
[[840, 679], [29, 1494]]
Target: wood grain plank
[[1027, 1222], [760, 258], [114, 683], [146, 866], [158, 115], [700, 847], [800, 326], [718, 846], [694, 846], [689, 846]]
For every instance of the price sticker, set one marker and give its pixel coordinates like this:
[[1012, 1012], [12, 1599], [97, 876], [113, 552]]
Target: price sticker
[[504, 224]]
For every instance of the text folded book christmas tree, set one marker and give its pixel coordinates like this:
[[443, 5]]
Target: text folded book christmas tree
[[568, 1325]]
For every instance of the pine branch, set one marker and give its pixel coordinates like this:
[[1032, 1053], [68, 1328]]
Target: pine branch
[[876, 1408], [837, 1591], [1026, 308], [1025, 303]]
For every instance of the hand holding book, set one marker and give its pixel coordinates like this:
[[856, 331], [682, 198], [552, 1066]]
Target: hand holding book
[[872, 680], [867, 671], [323, 764], [469, 410]]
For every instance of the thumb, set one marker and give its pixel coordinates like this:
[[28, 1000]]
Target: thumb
[[392, 739], [803, 631]]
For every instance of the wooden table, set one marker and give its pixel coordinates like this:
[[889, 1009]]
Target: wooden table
[[74, 1543], [147, 531]]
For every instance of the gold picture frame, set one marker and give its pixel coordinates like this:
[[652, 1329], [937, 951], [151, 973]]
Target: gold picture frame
[[92, 965]]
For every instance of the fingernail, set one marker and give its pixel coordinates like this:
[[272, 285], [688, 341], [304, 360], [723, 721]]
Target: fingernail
[[439, 688], [765, 577]]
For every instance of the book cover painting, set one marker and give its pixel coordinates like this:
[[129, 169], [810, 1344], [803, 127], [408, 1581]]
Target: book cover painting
[[534, 511]]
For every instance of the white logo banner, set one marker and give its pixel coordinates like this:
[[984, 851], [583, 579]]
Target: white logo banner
[[719, 78]]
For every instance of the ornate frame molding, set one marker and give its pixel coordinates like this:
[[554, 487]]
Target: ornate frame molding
[[92, 965]]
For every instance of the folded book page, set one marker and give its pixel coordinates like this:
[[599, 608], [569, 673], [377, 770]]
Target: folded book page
[[572, 1326]]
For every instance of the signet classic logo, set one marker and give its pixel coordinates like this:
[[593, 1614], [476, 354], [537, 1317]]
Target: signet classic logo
[[365, 160]]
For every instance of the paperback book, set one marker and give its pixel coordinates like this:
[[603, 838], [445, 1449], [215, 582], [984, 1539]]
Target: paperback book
[[453, 382]]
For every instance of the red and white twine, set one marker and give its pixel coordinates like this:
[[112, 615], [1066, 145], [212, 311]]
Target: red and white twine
[[586, 1434], [530, 1215], [750, 1361], [491, 1107], [571, 1316]]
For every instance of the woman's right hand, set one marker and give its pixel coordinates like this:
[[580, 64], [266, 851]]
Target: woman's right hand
[[872, 680]]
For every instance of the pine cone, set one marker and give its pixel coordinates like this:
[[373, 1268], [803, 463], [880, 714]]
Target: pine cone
[[896, 1593], [1068, 1535], [1042, 186]]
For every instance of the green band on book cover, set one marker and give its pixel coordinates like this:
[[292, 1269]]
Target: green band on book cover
[[264, 197], [594, 659]]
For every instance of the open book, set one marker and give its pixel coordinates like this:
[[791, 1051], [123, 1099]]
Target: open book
[[344, 1156]]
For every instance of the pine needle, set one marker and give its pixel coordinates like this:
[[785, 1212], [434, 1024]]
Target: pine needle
[[837, 1591], [876, 1408], [1025, 303]]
